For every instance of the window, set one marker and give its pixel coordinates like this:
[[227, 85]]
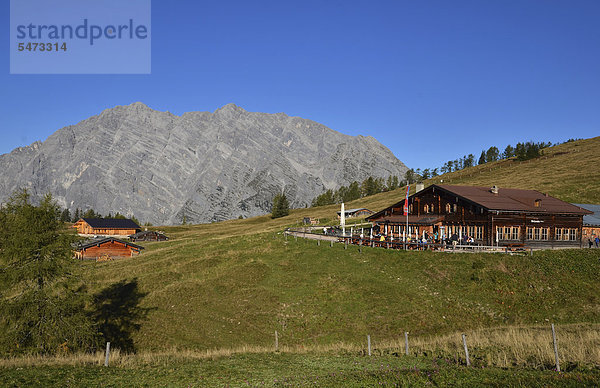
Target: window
[[544, 233], [558, 234], [508, 233], [448, 208], [479, 233], [515, 233], [454, 208], [573, 234], [471, 231], [530, 233]]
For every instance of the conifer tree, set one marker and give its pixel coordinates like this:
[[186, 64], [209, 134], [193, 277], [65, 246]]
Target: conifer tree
[[482, 159], [281, 207], [42, 301], [65, 216], [492, 154], [353, 192], [509, 152]]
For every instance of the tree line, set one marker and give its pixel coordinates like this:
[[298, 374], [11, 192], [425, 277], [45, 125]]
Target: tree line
[[521, 151], [369, 186], [65, 216]]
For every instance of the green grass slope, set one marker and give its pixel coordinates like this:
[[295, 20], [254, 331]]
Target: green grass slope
[[234, 283], [213, 292]]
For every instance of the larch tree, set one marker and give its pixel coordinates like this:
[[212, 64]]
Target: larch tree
[[42, 302]]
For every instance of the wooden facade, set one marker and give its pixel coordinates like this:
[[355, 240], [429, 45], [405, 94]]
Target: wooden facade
[[106, 227], [106, 247], [490, 216]]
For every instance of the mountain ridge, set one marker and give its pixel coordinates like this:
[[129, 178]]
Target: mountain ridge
[[196, 167]]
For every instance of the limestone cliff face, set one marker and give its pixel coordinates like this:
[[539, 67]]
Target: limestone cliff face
[[201, 165]]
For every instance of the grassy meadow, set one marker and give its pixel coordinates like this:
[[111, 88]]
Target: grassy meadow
[[216, 293], [211, 292], [291, 370]]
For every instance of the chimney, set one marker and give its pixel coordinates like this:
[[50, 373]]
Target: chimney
[[494, 190], [419, 187]]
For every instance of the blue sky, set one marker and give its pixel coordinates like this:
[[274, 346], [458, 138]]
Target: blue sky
[[431, 80]]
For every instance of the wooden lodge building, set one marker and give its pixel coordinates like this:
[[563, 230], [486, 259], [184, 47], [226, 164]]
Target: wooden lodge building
[[492, 216], [106, 247], [106, 227]]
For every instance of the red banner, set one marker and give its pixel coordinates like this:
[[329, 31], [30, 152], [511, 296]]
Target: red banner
[[406, 201]]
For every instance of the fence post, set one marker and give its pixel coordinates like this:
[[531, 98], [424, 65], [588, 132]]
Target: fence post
[[369, 344], [331, 243], [464, 337], [318, 242], [555, 348], [107, 354], [276, 341], [406, 342]]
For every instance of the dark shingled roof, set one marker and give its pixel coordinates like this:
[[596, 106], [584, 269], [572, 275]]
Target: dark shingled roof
[[111, 223], [99, 241]]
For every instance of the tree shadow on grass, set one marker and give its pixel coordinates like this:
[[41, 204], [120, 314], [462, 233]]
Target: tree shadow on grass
[[117, 312]]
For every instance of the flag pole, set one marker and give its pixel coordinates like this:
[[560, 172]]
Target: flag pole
[[406, 212]]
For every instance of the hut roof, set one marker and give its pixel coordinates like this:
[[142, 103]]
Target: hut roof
[[99, 241], [111, 223], [513, 199]]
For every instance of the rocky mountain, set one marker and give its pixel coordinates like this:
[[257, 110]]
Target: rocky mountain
[[200, 166]]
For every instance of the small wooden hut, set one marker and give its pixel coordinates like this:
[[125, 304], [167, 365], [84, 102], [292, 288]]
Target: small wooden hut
[[106, 227], [106, 247]]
